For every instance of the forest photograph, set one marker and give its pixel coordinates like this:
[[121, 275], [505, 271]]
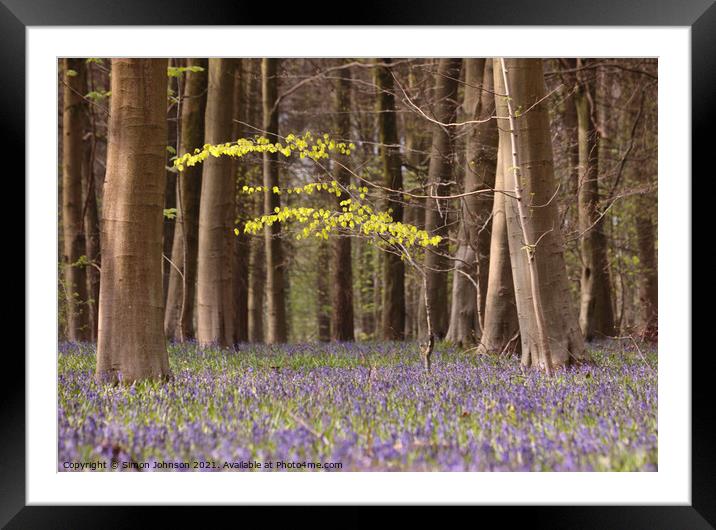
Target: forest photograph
[[357, 264]]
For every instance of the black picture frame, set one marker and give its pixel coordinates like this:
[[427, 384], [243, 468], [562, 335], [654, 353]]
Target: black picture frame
[[699, 15]]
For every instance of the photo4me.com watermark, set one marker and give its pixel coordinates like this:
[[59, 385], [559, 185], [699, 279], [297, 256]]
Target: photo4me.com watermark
[[199, 465]]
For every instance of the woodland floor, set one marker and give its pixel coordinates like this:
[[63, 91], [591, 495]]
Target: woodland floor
[[367, 406]]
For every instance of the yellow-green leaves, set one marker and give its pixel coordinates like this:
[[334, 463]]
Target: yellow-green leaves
[[177, 71], [306, 146], [353, 218]]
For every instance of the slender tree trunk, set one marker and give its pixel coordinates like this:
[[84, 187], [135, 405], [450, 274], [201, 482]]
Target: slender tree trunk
[[241, 242], [131, 343], [596, 318], [414, 209], [341, 262], [473, 254], [170, 201], [275, 263], [549, 326], [501, 325], [393, 301], [179, 315], [92, 236], [648, 290], [257, 267], [366, 292], [436, 210], [75, 276], [323, 291], [646, 224], [215, 293], [257, 289]]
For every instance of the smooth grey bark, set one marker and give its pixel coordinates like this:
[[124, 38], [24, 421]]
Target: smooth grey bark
[[549, 327], [131, 343], [472, 257], [501, 326], [215, 301]]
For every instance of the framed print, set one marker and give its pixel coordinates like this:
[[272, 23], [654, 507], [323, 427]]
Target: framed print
[[415, 259]]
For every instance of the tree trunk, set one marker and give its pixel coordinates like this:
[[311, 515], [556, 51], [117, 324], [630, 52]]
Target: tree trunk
[[501, 325], [436, 215], [131, 343], [648, 289], [170, 201], [473, 254], [257, 289], [241, 241], [323, 291], [596, 318], [341, 266], [92, 235], [414, 213], [549, 326], [216, 215], [257, 268], [275, 265], [75, 276], [365, 291], [179, 315], [393, 299]]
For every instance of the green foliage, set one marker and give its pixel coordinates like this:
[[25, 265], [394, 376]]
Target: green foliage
[[353, 216], [71, 73], [177, 71], [170, 213], [305, 146], [98, 95]]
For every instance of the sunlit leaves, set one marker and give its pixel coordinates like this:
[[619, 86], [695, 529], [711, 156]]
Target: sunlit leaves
[[177, 71], [305, 146]]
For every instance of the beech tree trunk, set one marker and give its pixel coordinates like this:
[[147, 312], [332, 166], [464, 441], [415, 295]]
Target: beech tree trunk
[[131, 343], [473, 253], [549, 327], [596, 317], [179, 314], [75, 275], [275, 264], [215, 295], [341, 259], [501, 325], [437, 263], [241, 240], [393, 296]]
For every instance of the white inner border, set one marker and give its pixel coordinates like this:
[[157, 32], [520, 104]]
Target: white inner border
[[671, 484]]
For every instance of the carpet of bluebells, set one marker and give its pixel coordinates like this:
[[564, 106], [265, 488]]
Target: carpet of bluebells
[[367, 406]]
